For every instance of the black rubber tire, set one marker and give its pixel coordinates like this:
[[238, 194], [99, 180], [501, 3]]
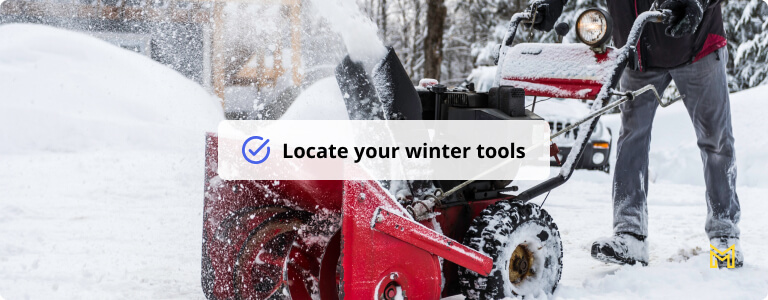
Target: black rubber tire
[[497, 232], [253, 243]]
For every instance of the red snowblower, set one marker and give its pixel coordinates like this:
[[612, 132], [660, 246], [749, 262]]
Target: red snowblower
[[416, 239]]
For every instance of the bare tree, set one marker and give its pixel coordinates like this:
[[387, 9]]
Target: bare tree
[[383, 18], [433, 42]]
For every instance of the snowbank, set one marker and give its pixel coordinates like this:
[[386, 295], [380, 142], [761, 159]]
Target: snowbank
[[64, 91], [103, 153], [675, 156]]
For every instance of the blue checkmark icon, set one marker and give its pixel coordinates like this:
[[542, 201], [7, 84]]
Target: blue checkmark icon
[[254, 152]]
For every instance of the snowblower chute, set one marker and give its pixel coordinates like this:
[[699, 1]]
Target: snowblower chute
[[354, 240]]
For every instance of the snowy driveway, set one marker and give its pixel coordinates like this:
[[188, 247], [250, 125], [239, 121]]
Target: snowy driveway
[[128, 226]]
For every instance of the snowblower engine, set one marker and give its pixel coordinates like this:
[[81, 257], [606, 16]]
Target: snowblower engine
[[499, 103]]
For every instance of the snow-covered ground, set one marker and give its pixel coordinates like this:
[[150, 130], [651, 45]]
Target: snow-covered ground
[[101, 152], [102, 171]]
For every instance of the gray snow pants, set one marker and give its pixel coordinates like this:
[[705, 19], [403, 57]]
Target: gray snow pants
[[706, 98]]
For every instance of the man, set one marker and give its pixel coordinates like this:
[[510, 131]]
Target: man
[[689, 49]]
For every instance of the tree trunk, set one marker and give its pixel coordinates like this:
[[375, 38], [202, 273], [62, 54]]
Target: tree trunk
[[414, 40], [383, 16], [433, 42]]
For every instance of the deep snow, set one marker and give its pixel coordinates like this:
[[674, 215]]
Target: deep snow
[[121, 219], [102, 156], [73, 93]]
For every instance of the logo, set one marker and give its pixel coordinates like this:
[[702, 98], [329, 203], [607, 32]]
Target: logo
[[253, 153], [537, 51], [729, 256]]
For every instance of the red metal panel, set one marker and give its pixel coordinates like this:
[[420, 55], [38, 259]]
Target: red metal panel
[[431, 241], [372, 259], [558, 70], [557, 88]]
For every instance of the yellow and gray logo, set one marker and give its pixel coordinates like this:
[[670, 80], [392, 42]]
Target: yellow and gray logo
[[729, 256]]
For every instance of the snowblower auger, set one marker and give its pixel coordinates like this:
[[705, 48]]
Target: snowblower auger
[[353, 240]]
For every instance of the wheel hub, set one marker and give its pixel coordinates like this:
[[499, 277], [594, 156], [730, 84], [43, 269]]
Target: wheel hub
[[520, 264]]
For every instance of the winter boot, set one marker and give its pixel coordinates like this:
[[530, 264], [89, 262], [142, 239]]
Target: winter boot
[[623, 248], [723, 244]]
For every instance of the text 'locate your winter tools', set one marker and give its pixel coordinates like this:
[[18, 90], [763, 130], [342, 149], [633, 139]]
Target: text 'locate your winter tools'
[[425, 151], [383, 150]]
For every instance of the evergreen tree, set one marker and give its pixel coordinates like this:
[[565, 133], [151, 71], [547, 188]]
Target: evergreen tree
[[746, 23]]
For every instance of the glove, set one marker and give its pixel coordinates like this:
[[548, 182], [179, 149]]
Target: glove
[[685, 19], [548, 11]]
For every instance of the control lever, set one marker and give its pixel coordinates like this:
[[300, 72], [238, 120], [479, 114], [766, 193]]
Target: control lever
[[628, 96], [562, 29], [534, 11], [553, 152], [631, 95]]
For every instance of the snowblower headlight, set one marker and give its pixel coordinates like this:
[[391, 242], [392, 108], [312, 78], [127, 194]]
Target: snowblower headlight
[[593, 27]]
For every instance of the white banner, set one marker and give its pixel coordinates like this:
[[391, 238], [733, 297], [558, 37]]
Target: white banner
[[383, 150]]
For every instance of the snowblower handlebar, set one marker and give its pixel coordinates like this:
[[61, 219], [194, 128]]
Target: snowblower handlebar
[[509, 38], [513, 23], [652, 16]]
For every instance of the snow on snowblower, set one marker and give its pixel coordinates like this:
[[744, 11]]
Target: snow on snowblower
[[416, 239]]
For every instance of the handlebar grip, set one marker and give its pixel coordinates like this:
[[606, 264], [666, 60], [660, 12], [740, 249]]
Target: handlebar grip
[[664, 17]]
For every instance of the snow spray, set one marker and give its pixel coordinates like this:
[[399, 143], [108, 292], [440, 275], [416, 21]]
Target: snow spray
[[358, 31]]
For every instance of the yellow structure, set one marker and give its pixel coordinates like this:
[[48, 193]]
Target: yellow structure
[[216, 70], [256, 70]]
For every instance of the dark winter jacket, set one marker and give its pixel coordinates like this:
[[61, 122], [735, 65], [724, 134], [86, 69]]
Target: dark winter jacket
[[656, 49]]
